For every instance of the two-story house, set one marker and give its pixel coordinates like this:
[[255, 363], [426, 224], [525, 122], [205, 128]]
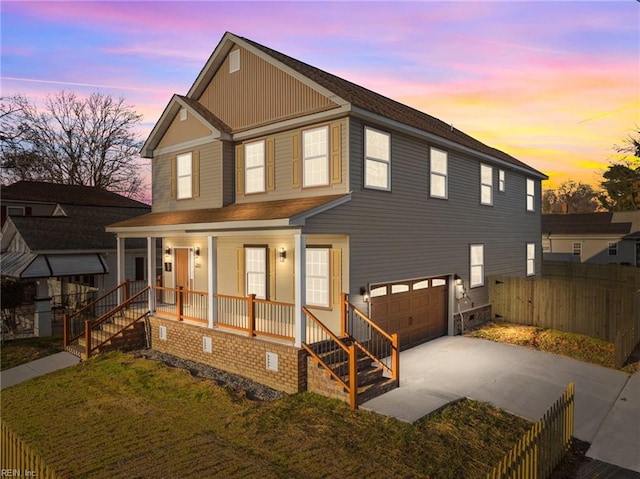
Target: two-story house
[[277, 181]]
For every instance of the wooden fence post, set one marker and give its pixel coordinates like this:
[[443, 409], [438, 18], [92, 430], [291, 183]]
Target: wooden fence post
[[180, 303], [251, 306], [87, 337], [65, 330], [353, 376], [395, 358], [343, 313]]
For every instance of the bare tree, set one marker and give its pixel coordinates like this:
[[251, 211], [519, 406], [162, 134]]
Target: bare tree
[[73, 140], [570, 197]]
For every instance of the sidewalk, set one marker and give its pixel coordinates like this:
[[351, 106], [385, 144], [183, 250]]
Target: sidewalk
[[524, 382], [10, 377]]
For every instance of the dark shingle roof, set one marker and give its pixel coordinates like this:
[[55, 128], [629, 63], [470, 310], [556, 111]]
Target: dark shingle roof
[[206, 114], [82, 229], [37, 191], [381, 105], [583, 223]]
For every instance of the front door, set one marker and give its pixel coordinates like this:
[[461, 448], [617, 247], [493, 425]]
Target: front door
[[182, 268]]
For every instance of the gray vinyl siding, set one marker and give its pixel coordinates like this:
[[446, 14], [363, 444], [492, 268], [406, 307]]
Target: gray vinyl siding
[[210, 180], [405, 234]]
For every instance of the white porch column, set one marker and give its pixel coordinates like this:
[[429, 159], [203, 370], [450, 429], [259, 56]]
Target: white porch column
[[300, 265], [42, 318], [121, 273], [212, 278], [151, 271]]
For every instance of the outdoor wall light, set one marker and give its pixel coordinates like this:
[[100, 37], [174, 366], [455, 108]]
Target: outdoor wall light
[[458, 280], [282, 255], [365, 294], [167, 251], [196, 251]]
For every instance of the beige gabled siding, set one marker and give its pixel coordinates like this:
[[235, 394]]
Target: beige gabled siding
[[259, 93], [183, 131]]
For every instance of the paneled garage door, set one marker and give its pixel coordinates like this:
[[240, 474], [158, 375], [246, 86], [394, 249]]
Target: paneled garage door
[[416, 310]]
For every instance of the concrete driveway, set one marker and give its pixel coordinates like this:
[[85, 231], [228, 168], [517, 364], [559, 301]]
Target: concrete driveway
[[524, 382]]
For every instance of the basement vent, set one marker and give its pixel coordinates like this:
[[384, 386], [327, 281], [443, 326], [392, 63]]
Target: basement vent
[[162, 333], [272, 362], [207, 344], [234, 61]]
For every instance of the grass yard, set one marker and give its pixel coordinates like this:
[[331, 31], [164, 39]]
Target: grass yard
[[576, 346], [120, 416], [19, 351]]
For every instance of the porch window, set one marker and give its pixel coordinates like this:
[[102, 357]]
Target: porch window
[[486, 185], [318, 277], [439, 176], [315, 150], [377, 159], [477, 265], [256, 272], [254, 167], [531, 259], [531, 195], [184, 167]]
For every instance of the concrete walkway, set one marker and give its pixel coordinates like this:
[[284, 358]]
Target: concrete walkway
[[522, 381], [41, 366]]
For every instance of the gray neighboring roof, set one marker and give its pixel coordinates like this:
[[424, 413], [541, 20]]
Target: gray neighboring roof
[[42, 192], [82, 229], [583, 224], [28, 265]]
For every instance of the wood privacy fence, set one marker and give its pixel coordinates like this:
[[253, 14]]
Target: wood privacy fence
[[542, 448], [600, 301], [19, 460]]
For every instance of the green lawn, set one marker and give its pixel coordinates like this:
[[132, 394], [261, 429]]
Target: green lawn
[[120, 416], [15, 352]]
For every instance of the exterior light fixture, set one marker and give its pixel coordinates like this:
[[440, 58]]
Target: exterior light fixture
[[167, 251], [282, 254], [196, 251], [365, 294]]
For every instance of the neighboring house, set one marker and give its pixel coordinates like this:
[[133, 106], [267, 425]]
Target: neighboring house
[[276, 179], [608, 238], [57, 232]]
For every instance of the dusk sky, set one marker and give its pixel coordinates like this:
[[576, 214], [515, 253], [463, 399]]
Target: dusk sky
[[554, 83]]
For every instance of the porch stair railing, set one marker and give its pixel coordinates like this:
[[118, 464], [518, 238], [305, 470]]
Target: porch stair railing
[[111, 316], [360, 358]]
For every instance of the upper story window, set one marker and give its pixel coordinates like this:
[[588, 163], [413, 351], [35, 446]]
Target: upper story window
[[377, 159], [439, 174], [613, 248], [184, 168], [501, 181], [254, 167], [315, 157], [486, 185], [16, 211], [531, 195], [577, 248], [531, 259], [476, 253]]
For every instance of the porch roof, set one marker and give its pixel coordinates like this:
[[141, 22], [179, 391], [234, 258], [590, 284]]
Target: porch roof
[[291, 212]]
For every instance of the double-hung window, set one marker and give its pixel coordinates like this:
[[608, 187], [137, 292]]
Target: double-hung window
[[501, 181], [256, 271], [439, 174], [184, 176], [531, 259], [318, 279], [315, 161], [531, 195], [377, 159], [577, 248], [613, 248], [486, 185], [476, 253], [254, 167]]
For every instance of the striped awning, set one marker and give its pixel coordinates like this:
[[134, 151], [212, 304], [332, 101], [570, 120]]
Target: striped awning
[[31, 265]]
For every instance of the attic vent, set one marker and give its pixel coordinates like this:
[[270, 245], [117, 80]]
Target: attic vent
[[234, 61], [183, 114]]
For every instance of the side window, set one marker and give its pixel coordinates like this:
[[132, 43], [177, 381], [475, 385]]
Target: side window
[[577, 248], [377, 159], [531, 259], [439, 174], [531, 195], [184, 166], [486, 185], [318, 278], [256, 271], [254, 158], [501, 181], [476, 253], [315, 157]]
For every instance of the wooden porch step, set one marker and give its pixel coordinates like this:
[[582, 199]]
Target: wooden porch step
[[76, 350], [375, 389]]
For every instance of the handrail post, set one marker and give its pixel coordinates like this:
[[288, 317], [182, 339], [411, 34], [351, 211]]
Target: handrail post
[[127, 290], [65, 330], [343, 313], [251, 306], [87, 337], [395, 358], [180, 303], [353, 377]]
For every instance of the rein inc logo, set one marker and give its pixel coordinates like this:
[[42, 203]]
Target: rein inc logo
[[17, 473]]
